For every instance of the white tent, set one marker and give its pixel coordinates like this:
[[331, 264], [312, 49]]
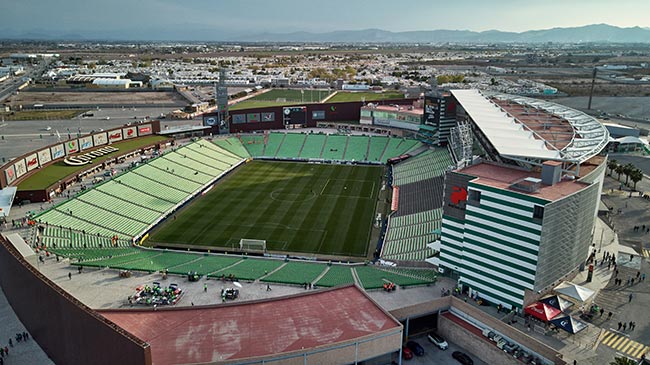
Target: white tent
[[574, 291]]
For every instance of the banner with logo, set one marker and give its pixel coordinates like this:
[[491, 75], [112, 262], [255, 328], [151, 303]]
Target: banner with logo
[[32, 162], [144, 130], [71, 146], [44, 156], [85, 143], [114, 136], [21, 168], [57, 151], [130, 132], [100, 139], [10, 174]]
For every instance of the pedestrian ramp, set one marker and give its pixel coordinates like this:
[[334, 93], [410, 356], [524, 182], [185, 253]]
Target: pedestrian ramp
[[623, 344]]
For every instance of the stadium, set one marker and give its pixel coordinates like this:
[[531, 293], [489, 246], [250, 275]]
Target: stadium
[[351, 210]]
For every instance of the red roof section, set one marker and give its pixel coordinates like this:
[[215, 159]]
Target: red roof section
[[258, 328], [502, 177]]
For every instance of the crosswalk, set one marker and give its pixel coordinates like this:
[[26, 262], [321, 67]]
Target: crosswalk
[[646, 252], [623, 344]]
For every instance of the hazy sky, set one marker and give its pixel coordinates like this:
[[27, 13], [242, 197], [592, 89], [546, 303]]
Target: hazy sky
[[318, 16]]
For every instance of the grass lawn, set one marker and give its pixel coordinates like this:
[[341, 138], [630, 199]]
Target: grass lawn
[[278, 97], [342, 96], [296, 207], [59, 170], [42, 114]]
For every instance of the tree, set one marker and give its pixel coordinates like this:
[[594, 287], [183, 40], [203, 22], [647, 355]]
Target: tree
[[627, 170], [619, 171], [636, 176], [622, 360], [611, 165]]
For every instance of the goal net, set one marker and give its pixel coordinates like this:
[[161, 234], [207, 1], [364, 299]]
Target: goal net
[[246, 244]]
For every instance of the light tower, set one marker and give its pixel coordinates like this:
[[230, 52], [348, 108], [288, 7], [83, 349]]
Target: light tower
[[221, 96]]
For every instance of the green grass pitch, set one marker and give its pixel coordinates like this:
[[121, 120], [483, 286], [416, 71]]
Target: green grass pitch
[[295, 207]]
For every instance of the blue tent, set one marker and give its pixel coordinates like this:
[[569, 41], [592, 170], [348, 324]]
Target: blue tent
[[569, 324], [557, 302]]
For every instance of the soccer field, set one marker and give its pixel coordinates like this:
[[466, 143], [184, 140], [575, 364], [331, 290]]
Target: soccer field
[[295, 207]]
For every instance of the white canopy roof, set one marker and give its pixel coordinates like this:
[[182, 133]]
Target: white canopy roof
[[574, 291], [506, 134]]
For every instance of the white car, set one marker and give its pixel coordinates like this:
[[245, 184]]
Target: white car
[[438, 341]]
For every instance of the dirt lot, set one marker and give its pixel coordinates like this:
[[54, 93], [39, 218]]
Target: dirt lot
[[94, 97]]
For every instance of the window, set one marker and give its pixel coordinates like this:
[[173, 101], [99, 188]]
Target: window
[[538, 212], [474, 198]]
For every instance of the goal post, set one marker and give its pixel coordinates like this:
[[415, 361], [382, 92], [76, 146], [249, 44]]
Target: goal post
[[247, 244]]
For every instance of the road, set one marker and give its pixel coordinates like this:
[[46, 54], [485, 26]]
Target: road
[[8, 87], [20, 137]]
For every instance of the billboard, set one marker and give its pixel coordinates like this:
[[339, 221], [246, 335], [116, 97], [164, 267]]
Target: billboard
[[100, 139], [143, 130], [20, 168], [210, 121], [268, 117], [71, 146], [253, 117], [44, 157], [239, 118], [130, 132], [85, 143], [32, 162], [318, 115], [114, 136], [10, 174], [295, 114], [57, 151]]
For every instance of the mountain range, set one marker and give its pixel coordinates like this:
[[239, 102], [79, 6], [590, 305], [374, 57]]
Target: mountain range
[[595, 33]]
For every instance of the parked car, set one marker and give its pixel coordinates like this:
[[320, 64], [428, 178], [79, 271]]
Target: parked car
[[407, 354], [416, 348], [438, 341], [510, 347], [229, 293], [462, 358]]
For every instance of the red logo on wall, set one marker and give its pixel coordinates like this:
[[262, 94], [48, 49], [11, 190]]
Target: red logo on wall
[[31, 162], [145, 130], [130, 132], [458, 194], [115, 135]]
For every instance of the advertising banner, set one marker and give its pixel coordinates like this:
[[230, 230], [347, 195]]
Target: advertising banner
[[85, 143], [268, 117], [100, 139], [57, 151], [130, 132], [20, 167], [114, 136], [144, 130], [10, 174], [44, 156], [32, 162], [71, 146]]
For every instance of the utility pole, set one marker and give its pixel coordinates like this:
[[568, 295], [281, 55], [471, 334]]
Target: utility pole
[[593, 81]]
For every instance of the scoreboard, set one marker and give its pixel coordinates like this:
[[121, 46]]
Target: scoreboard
[[294, 115]]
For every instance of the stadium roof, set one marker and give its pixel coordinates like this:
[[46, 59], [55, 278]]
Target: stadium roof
[[513, 138], [258, 328]]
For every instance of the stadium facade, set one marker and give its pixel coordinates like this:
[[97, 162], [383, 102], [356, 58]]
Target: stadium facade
[[519, 219]]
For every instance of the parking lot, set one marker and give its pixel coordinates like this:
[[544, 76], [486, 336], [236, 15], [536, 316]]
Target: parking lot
[[434, 355]]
